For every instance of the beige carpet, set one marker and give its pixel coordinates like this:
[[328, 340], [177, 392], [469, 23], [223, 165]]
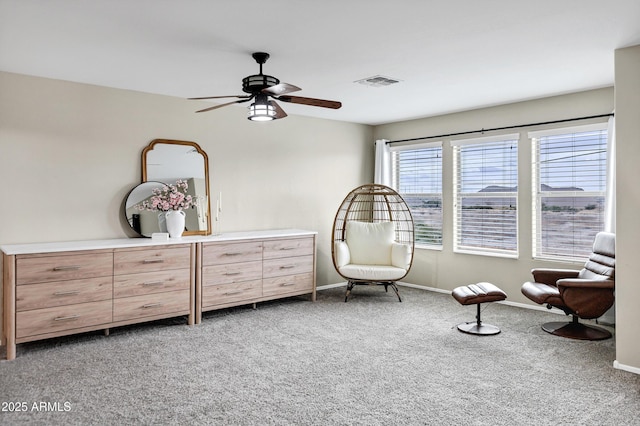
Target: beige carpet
[[371, 361]]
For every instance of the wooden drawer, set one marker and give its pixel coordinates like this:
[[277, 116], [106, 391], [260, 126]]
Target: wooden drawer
[[216, 254], [149, 305], [60, 293], [231, 273], [230, 293], [287, 266], [151, 259], [60, 267], [151, 282], [287, 284], [60, 318], [287, 248]]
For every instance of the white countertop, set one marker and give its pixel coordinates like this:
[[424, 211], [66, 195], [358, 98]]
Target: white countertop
[[62, 246]]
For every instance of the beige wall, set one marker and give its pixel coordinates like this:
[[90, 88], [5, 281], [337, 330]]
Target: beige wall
[[627, 99], [69, 154]]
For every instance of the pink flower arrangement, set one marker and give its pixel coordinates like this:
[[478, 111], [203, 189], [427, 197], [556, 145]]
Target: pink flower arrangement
[[169, 197]]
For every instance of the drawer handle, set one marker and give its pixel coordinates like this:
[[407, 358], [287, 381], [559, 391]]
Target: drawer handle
[[236, 253], [67, 268], [287, 284], [66, 293], [68, 318], [147, 261], [287, 267], [151, 305], [287, 248], [153, 283], [232, 273], [231, 293]]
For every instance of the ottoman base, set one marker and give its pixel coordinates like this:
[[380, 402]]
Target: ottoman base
[[482, 329], [476, 294]]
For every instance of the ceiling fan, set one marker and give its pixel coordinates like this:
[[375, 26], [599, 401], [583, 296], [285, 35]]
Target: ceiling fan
[[261, 87]]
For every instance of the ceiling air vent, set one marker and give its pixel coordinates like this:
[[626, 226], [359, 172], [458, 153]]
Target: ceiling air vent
[[378, 81]]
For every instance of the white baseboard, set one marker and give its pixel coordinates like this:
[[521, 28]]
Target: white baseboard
[[624, 367], [440, 290], [424, 287], [328, 286], [421, 287]]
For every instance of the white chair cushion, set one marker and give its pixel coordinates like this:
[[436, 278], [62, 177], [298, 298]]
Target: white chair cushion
[[370, 243], [342, 255], [372, 272], [401, 255]]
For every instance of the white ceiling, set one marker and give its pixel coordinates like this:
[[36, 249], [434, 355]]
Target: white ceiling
[[450, 55]]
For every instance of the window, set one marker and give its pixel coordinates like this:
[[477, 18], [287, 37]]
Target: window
[[417, 175], [569, 186], [485, 195]]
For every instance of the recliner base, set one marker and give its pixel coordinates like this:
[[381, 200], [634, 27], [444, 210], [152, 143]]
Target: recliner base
[[576, 330]]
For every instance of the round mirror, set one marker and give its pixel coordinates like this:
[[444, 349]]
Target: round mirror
[[141, 220]]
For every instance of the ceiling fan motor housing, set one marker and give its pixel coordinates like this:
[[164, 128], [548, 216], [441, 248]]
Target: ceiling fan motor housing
[[255, 83]]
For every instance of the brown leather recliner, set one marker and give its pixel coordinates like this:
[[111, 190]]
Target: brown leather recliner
[[586, 294]]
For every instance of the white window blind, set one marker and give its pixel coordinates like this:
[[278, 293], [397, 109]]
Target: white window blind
[[417, 176], [485, 194], [569, 186]]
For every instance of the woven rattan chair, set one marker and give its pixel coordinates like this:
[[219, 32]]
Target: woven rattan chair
[[373, 239]]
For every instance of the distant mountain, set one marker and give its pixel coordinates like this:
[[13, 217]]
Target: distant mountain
[[497, 188], [543, 187]]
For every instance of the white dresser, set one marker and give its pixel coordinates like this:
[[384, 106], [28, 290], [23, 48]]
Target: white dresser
[[56, 289]]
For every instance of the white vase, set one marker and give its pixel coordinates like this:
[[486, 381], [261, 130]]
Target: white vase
[[175, 223], [162, 222]]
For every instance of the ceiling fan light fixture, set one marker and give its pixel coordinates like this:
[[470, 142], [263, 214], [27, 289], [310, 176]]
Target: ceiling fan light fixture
[[261, 110]]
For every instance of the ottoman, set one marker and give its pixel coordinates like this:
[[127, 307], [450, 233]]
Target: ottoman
[[475, 294]]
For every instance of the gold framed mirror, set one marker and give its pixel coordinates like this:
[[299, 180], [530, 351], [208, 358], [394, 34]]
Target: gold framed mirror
[[167, 161]]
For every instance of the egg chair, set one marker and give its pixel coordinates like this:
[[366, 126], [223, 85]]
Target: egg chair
[[372, 241]]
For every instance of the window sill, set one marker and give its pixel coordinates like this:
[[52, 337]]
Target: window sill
[[426, 247], [487, 253]]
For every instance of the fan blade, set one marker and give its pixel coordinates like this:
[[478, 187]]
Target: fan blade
[[310, 101], [220, 97], [223, 105], [281, 89], [279, 111]]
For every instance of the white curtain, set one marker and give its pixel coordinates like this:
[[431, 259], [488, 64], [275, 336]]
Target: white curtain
[[610, 201], [382, 172], [609, 317]]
